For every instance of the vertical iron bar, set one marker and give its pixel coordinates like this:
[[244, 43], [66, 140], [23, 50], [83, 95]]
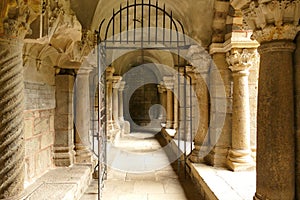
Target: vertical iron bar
[[134, 22], [120, 23], [127, 21], [113, 28], [142, 24], [171, 20], [179, 127], [185, 126], [149, 21], [156, 21], [164, 23]]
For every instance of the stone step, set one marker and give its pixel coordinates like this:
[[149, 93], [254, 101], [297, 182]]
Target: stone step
[[63, 183], [92, 191]]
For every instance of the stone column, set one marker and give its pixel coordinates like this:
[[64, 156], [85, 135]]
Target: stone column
[[64, 120], [275, 31], [297, 95], [109, 100], [201, 62], [15, 21], [121, 102], [82, 116], [162, 96], [176, 104], [169, 84], [240, 60], [115, 110]]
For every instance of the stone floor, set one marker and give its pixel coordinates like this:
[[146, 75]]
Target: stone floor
[[140, 170]]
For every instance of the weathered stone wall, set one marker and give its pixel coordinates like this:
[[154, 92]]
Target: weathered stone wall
[[39, 137], [39, 114]]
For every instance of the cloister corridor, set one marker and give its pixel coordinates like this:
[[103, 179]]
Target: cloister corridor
[[150, 99], [155, 183]]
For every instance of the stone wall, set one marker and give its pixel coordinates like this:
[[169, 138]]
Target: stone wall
[[39, 137]]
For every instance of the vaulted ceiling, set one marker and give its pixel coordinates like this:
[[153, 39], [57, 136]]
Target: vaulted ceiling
[[195, 15]]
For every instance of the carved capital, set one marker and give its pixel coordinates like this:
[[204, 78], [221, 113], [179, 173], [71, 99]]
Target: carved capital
[[16, 17], [242, 59], [169, 82], [273, 19]]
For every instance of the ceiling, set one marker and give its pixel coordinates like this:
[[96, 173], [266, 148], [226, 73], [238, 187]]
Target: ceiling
[[195, 15]]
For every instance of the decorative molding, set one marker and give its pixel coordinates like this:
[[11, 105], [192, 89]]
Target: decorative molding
[[237, 40], [168, 82], [273, 19], [242, 59]]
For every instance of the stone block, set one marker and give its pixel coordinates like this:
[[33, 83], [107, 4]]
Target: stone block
[[64, 82], [63, 122], [32, 146], [28, 128], [64, 138], [47, 140], [64, 103], [51, 123], [29, 168], [28, 114], [41, 125], [44, 161]]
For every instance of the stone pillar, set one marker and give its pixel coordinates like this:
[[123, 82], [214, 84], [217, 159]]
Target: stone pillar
[[275, 31], [169, 84], [64, 121], [125, 125], [176, 104], [109, 100], [201, 62], [219, 133], [121, 102], [14, 24], [115, 110], [240, 60], [297, 95], [163, 101], [82, 116]]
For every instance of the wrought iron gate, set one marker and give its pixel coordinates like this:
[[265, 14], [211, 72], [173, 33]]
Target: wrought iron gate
[[144, 35]]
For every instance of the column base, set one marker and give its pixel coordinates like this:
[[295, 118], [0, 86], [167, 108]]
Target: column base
[[198, 154], [259, 197], [83, 154], [64, 156], [240, 160], [217, 157]]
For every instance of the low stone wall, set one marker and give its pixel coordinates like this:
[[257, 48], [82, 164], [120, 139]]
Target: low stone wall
[[39, 139]]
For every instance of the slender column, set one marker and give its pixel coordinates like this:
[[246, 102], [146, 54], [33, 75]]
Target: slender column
[[176, 105], [169, 83], [121, 102], [109, 91], [12, 32], [240, 60], [82, 116], [201, 62], [275, 31], [162, 96], [115, 110]]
